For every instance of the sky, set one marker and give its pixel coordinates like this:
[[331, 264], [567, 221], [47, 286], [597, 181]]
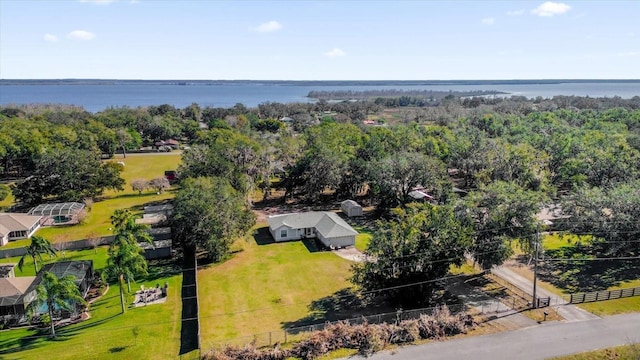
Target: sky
[[319, 40]]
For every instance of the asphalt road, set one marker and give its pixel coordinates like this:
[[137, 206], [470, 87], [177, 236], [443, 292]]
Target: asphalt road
[[537, 342]]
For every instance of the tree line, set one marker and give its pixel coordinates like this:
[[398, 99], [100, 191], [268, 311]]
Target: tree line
[[510, 156]]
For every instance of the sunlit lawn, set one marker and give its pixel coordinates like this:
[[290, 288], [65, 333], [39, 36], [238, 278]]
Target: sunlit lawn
[[263, 288], [555, 241], [363, 238], [98, 222], [108, 334], [98, 255], [629, 352]]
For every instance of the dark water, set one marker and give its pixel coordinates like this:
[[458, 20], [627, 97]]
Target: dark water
[[98, 95]]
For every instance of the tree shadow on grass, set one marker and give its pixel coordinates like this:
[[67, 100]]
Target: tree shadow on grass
[[117, 349], [343, 304], [40, 338], [586, 276]]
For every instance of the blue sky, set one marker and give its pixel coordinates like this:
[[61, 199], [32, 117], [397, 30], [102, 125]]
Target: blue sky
[[319, 40]]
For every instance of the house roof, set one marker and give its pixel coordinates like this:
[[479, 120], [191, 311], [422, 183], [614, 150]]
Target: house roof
[[15, 286], [5, 270], [16, 221], [349, 204], [328, 224], [419, 195], [63, 268]]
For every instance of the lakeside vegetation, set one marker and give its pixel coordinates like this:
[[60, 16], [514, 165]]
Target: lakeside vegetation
[[509, 157]]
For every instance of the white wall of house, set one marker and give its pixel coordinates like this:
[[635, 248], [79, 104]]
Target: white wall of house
[[4, 239], [285, 233], [338, 242]]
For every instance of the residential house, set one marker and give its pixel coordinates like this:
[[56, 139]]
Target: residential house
[[328, 227], [15, 226]]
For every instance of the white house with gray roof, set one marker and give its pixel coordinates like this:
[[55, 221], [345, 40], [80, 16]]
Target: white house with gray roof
[[326, 226], [14, 226]]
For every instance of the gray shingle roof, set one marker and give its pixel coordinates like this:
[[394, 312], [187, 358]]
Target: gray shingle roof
[[328, 224]]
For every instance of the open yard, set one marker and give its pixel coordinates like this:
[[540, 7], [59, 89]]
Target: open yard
[[97, 223], [266, 286], [108, 334], [564, 277]]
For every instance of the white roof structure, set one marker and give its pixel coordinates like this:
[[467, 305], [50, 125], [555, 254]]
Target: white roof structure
[[348, 204], [17, 222], [420, 195], [68, 208], [328, 224]]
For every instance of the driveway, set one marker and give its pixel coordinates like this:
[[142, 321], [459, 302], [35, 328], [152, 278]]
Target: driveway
[[533, 343], [350, 253], [567, 311]]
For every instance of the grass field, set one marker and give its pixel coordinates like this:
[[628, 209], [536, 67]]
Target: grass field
[[625, 352], [98, 255], [599, 270], [98, 222], [266, 286], [108, 334]]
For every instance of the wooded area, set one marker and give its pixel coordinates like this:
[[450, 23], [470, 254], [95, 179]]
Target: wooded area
[[509, 156]]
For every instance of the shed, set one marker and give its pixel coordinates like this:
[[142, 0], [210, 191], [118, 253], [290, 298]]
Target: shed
[[351, 208]]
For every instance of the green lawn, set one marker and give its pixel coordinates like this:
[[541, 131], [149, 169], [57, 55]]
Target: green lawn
[[628, 352], [263, 288], [554, 241], [108, 334], [363, 238], [7, 202], [98, 255], [98, 222]]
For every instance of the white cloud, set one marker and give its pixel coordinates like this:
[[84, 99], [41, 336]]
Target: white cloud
[[268, 27], [515, 12], [488, 21], [81, 35], [551, 8], [334, 53], [50, 38]]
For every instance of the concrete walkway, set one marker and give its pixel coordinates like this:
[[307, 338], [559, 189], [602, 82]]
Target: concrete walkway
[[567, 311], [350, 253]]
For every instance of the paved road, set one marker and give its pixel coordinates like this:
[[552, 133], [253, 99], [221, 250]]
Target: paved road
[[533, 343], [567, 311]]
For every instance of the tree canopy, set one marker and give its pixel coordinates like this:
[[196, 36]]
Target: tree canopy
[[209, 215]]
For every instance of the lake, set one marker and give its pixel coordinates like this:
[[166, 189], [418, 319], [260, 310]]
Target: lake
[[97, 95]]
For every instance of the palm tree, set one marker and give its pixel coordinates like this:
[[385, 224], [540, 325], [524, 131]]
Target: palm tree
[[126, 260], [125, 263], [36, 248], [56, 292]]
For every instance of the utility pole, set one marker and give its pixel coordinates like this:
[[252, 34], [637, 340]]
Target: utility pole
[[535, 267]]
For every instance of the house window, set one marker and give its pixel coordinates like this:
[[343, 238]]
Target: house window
[[283, 233]]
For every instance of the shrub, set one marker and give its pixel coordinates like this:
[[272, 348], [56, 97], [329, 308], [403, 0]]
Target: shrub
[[366, 338]]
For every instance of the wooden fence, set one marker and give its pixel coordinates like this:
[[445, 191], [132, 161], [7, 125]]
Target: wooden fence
[[156, 233], [579, 298]]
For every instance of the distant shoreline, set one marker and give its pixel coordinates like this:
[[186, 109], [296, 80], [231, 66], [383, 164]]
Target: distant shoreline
[[102, 82]]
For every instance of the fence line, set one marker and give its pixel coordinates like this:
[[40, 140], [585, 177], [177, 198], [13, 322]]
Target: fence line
[[157, 233], [578, 298], [510, 287], [297, 333]]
